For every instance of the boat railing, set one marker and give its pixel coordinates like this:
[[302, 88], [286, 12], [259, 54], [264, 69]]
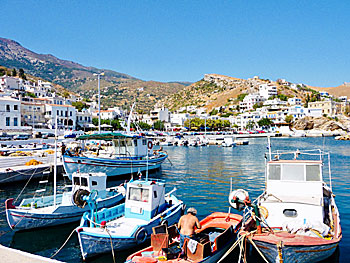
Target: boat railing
[[106, 214]]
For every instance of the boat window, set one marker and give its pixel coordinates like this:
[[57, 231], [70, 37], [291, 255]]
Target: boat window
[[84, 182], [135, 143], [155, 194], [138, 194], [144, 142], [116, 143], [122, 143], [293, 172], [76, 180], [94, 183], [313, 173], [290, 212], [274, 172], [129, 142]]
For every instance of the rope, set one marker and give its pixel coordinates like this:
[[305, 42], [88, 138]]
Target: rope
[[257, 249], [24, 186], [110, 238], [65, 242]]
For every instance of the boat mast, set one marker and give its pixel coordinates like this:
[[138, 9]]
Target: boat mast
[[55, 168], [129, 119]]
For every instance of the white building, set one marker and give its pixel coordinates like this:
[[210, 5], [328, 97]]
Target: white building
[[249, 101], [178, 118], [294, 101], [66, 115], [267, 90], [160, 114], [275, 102], [84, 118], [10, 113], [33, 114]]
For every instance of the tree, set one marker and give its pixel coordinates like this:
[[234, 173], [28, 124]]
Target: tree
[[80, 105], [288, 119], [2, 71], [265, 122], [21, 74], [66, 94], [250, 125], [213, 112], [241, 96], [14, 72], [144, 126], [158, 125]]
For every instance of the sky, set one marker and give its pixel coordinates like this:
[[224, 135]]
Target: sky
[[301, 41]]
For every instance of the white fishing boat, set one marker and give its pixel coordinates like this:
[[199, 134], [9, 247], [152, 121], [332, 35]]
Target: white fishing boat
[[228, 142], [130, 224], [58, 209], [296, 219]]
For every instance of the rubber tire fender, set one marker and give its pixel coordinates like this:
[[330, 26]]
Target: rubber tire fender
[[137, 236]]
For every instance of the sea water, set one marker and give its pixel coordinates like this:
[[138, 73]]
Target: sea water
[[202, 177]]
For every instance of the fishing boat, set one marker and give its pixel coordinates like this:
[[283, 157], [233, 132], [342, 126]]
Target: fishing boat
[[58, 209], [125, 154], [228, 142], [217, 235], [296, 218], [128, 224]]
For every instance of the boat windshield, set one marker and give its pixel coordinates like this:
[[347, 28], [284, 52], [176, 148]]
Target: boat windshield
[[138, 194], [294, 172]]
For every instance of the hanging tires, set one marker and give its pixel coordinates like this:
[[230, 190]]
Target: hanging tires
[[141, 235]]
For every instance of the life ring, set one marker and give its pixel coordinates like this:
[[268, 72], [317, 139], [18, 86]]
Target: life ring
[[141, 236], [150, 144], [263, 212], [239, 194]]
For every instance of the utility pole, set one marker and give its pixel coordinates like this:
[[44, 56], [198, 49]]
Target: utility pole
[[99, 100]]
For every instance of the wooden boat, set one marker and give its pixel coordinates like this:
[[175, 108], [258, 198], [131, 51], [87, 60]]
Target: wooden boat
[[215, 238], [127, 154], [52, 210], [130, 224], [296, 218]]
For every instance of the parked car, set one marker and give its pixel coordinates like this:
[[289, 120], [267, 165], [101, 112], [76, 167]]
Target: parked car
[[5, 137], [21, 137]]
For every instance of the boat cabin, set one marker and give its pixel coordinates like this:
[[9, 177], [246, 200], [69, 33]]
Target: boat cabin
[[294, 190], [89, 182], [131, 146], [145, 199]]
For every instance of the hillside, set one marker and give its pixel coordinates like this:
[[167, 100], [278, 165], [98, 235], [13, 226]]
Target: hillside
[[342, 90], [216, 90], [78, 78]]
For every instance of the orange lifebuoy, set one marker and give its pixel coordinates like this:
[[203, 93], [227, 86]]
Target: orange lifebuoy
[[150, 144]]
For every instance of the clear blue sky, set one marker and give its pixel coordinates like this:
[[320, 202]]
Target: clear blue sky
[[303, 41]]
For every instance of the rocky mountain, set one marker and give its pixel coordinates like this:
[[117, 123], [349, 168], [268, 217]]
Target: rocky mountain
[[322, 123], [78, 78]]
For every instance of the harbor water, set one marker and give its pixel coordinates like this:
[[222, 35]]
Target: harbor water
[[202, 176]]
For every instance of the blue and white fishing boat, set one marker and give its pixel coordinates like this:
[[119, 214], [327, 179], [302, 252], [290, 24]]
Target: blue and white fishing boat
[[130, 224], [126, 154], [58, 209]]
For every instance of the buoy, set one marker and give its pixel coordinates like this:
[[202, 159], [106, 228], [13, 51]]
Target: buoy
[[150, 144], [239, 194]]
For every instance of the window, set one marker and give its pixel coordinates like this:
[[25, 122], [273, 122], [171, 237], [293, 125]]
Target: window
[[313, 173], [84, 181], [144, 142], [71, 113], [155, 194], [138, 194], [7, 107], [7, 121], [15, 121], [290, 212], [76, 181], [135, 142], [15, 107], [93, 183], [274, 172], [292, 172]]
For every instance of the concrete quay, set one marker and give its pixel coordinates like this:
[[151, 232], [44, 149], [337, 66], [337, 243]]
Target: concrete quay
[[10, 255]]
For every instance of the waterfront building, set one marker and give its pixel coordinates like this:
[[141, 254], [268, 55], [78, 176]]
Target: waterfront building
[[329, 107], [160, 114], [178, 119], [10, 113], [33, 113], [66, 116], [84, 118]]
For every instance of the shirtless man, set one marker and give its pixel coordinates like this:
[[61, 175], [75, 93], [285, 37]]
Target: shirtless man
[[187, 223]]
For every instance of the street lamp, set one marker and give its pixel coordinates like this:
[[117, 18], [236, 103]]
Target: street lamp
[[99, 101]]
